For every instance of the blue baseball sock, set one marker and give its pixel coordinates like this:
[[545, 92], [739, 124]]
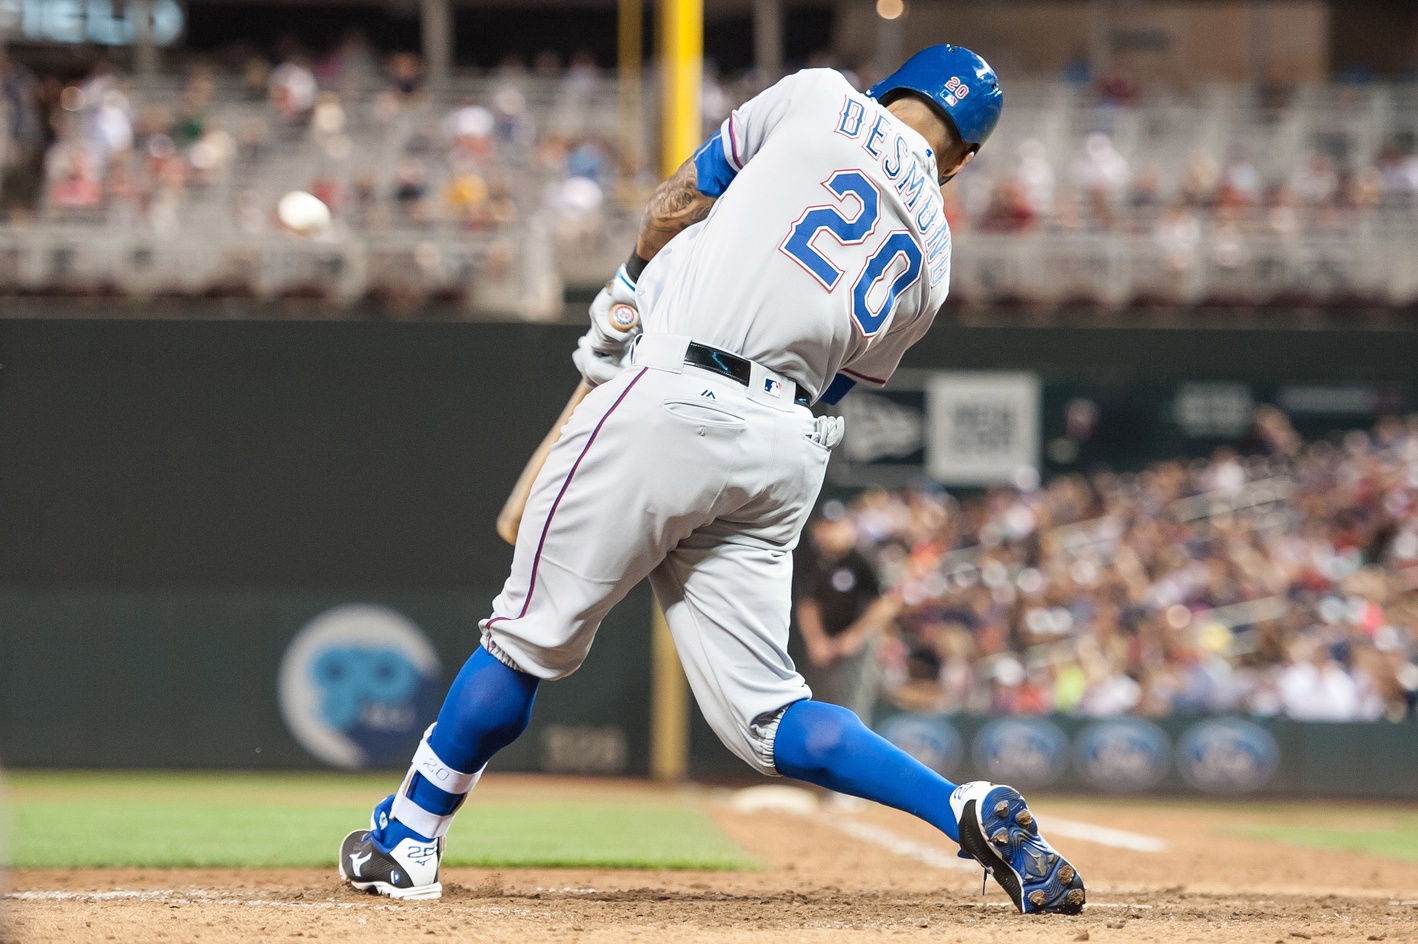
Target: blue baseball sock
[[487, 707], [829, 746]]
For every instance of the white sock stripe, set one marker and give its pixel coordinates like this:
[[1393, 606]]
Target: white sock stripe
[[419, 819], [445, 778], [439, 775]]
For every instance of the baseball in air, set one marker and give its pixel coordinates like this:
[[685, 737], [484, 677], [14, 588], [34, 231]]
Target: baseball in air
[[303, 213]]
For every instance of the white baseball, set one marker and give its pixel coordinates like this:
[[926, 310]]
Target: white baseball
[[303, 213]]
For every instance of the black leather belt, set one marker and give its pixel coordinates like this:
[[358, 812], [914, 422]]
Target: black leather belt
[[731, 366]]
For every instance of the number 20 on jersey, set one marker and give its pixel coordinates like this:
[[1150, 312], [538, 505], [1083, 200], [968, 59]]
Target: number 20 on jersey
[[801, 246]]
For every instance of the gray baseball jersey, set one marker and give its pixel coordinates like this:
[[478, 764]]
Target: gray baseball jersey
[[830, 252], [826, 254]]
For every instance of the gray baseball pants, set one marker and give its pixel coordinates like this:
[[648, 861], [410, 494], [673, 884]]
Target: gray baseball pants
[[703, 485]]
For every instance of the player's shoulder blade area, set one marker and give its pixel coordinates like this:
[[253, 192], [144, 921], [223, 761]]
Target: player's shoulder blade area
[[825, 84]]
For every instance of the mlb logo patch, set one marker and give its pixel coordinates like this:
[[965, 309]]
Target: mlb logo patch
[[774, 388]]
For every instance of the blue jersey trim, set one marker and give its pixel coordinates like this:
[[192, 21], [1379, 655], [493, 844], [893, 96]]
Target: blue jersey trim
[[841, 385], [713, 167]]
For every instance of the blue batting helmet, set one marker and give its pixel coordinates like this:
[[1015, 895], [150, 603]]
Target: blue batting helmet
[[956, 81]]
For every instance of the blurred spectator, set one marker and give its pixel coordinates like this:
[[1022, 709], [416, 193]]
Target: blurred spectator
[[292, 90], [108, 129], [349, 68], [1272, 581], [1316, 181], [1178, 235], [405, 71], [1009, 211], [1200, 179], [1101, 171], [75, 189], [466, 197], [1035, 176], [411, 188], [22, 134], [469, 128], [192, 112]]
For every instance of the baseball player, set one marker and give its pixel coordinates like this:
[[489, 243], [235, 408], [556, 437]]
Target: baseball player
[[800, 251]]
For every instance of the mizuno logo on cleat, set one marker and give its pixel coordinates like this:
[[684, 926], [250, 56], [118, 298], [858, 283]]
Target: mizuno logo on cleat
[[357, 861]]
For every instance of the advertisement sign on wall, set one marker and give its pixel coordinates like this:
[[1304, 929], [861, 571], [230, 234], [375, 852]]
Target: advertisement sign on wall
[[356, 683], [982, 426]]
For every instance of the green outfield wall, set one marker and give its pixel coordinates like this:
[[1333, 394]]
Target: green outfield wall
[[268, 544]]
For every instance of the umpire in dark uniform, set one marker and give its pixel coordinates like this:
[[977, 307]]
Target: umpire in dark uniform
[[840, 612]]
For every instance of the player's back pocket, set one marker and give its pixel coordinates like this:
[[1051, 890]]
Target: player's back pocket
[[700, 413]]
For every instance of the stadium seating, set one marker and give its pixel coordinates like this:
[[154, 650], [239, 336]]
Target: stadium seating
[[492, 195]]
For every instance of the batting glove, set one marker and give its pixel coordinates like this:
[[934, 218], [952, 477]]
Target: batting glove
[[827, 431], [596, 366], [610, 334]]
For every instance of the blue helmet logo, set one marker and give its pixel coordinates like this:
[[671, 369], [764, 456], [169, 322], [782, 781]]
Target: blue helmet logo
[[955, 80], [1022, 751], [1228, 756], [931, 741], [358, 684], [1123, 755]]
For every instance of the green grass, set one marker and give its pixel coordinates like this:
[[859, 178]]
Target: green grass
[[243, 820], [1400, 842]]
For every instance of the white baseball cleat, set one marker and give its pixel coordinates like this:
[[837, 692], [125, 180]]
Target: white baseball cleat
[[408, 871], [999, 832]]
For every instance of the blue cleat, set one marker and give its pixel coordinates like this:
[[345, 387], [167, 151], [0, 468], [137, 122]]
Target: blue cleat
[[999, 832]]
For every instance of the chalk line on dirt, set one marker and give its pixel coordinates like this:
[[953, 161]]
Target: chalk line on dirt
[[886, 839], [942, 859], [170, 897], [1102, 835]]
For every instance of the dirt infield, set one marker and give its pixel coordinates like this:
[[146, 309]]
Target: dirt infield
[[839, 875]]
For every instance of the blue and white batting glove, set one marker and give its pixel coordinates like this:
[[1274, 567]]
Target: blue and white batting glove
[[607, 336], [596, 366]]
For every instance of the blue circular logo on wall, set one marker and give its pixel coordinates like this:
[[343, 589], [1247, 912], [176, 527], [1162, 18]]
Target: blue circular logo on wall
[[1028, 752], [1122, 755], [932, 741], [1228, 756], [357, 684]]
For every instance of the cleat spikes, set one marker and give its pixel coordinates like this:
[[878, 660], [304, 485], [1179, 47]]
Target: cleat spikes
[[998, 831]]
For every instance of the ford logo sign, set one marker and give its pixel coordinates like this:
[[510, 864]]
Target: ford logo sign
[[1122, 755]]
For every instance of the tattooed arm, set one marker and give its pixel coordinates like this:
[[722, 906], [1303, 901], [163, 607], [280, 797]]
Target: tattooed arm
[[677, 204]]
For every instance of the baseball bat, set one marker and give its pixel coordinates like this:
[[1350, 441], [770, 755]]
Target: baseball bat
[[623, 318]]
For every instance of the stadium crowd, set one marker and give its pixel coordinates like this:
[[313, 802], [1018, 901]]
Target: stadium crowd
[[1099, 190], [1275, 581], [102, 149], [543, 139]]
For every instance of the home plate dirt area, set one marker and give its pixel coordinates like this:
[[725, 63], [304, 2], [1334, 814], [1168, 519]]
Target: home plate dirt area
[[1157, 871]]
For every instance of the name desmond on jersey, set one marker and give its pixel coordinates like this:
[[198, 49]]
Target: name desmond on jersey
[[892, 151]]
